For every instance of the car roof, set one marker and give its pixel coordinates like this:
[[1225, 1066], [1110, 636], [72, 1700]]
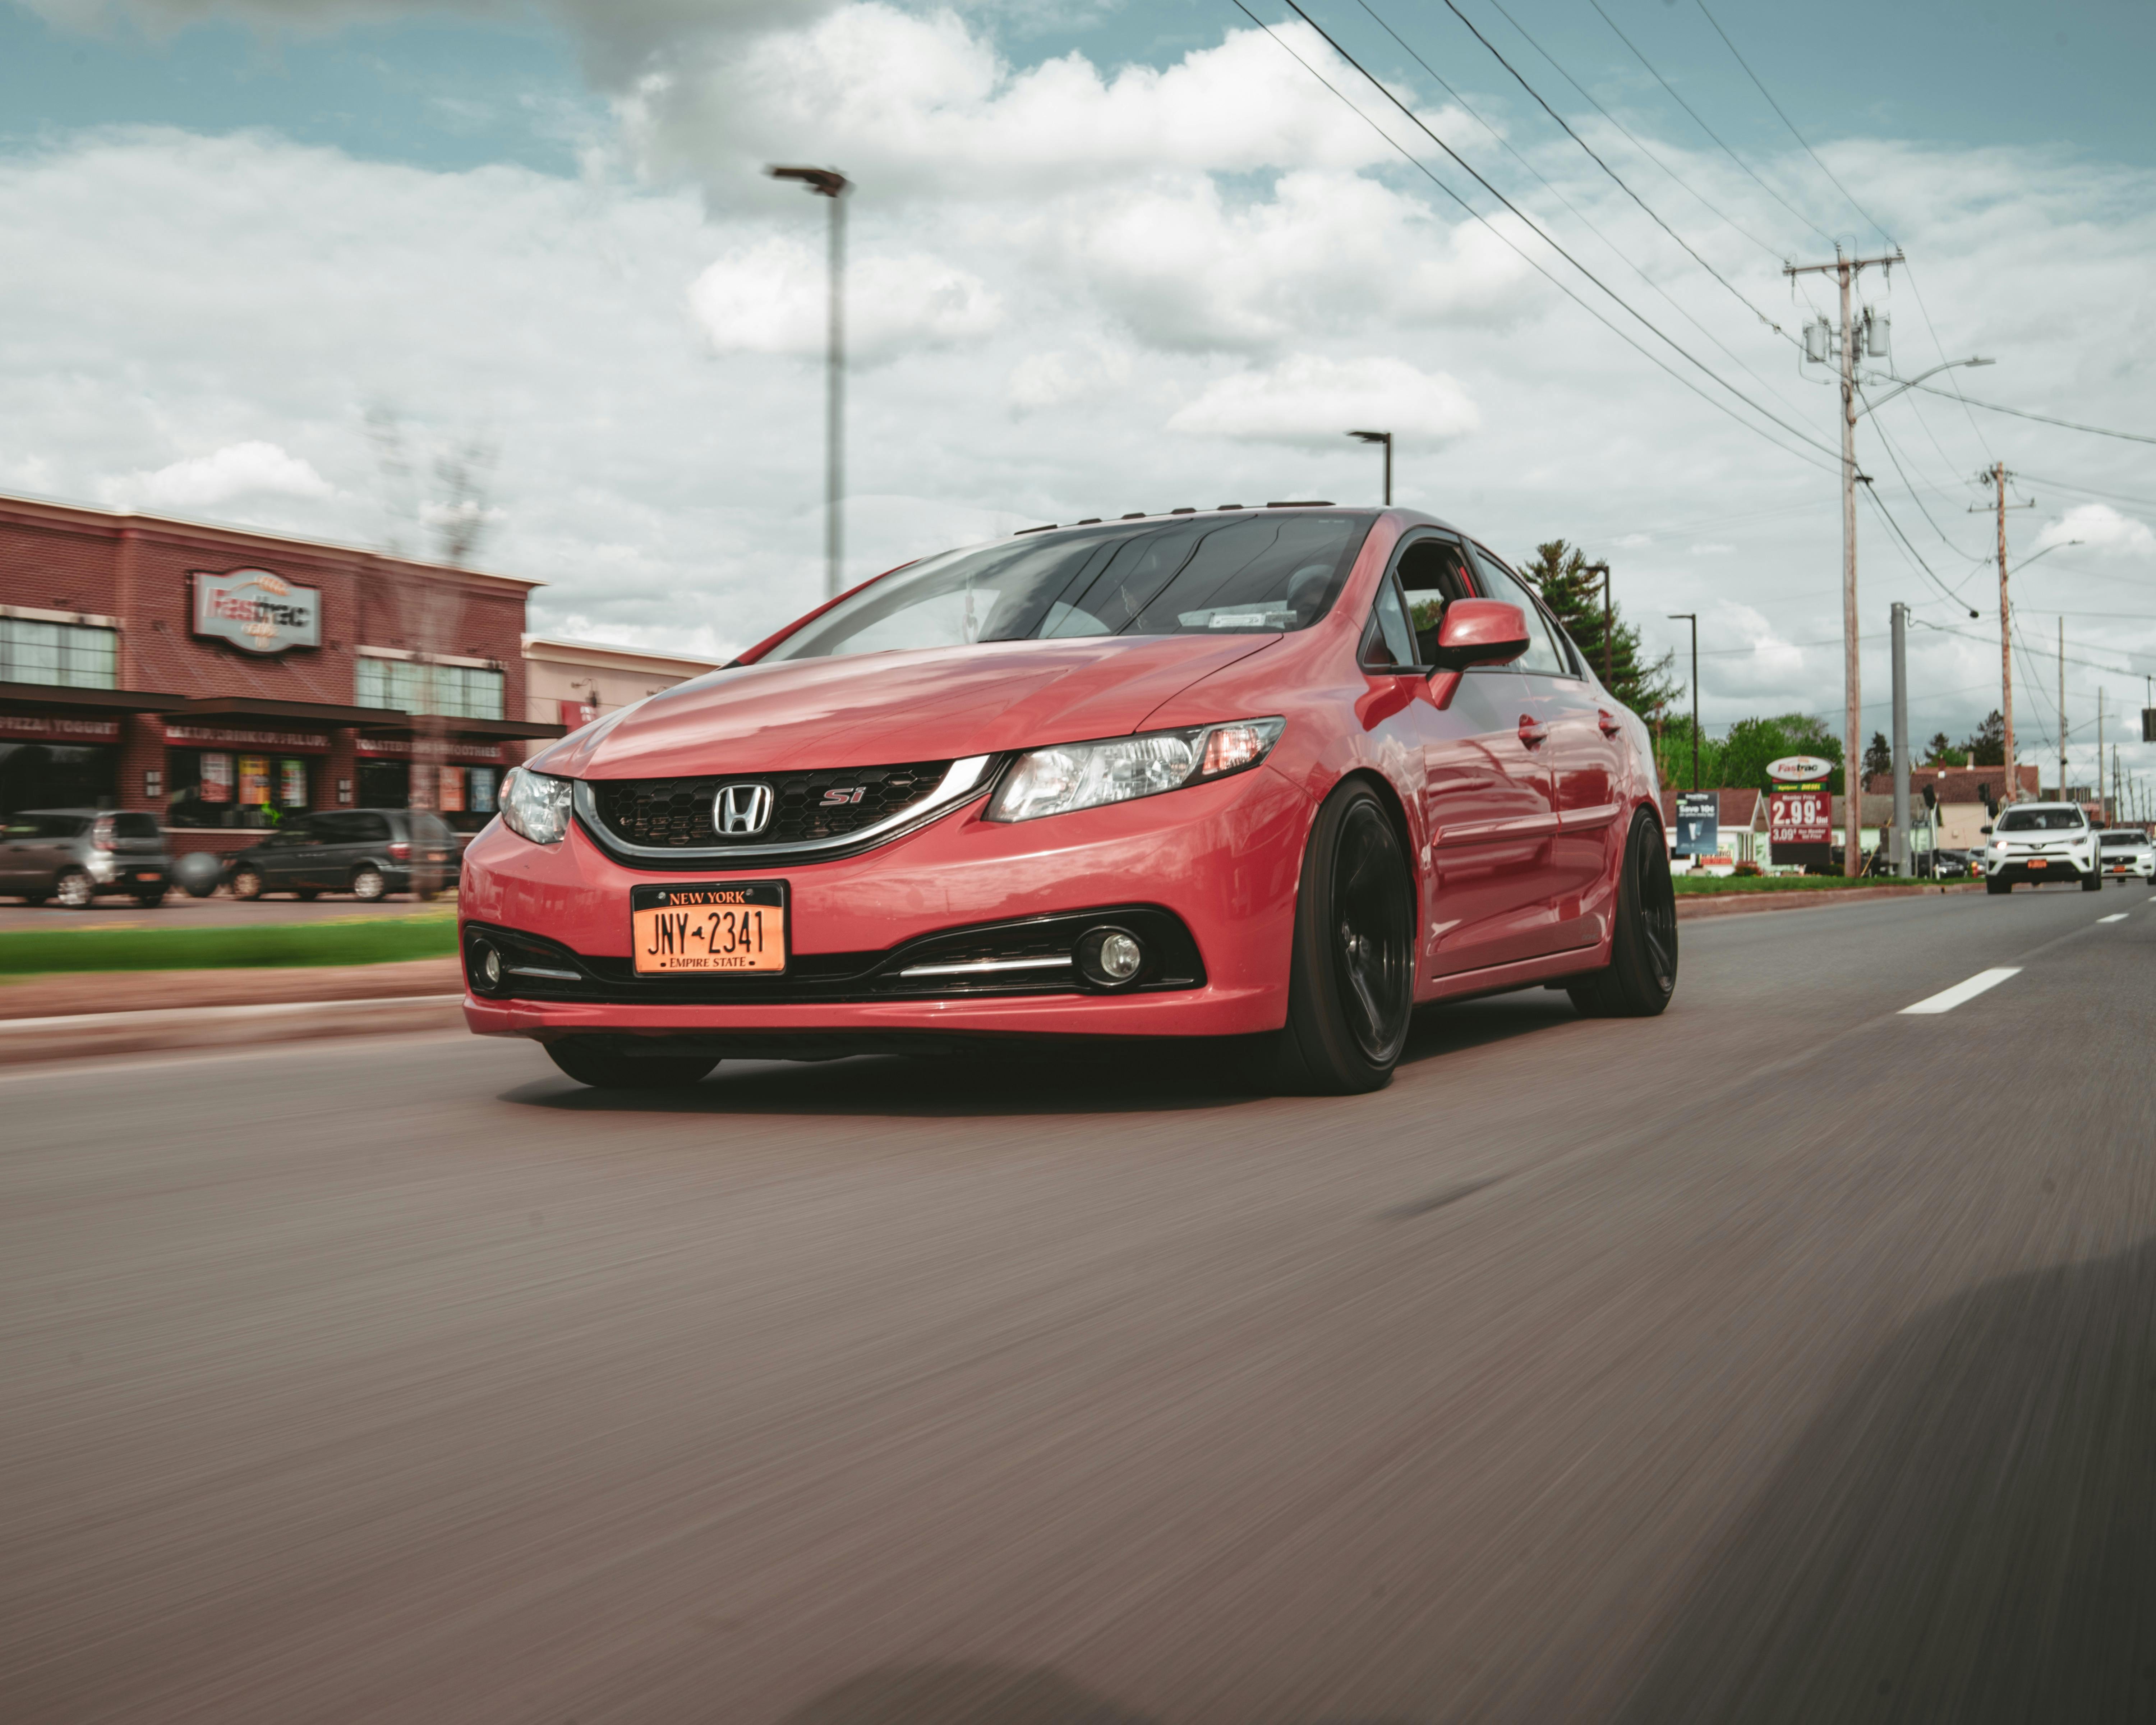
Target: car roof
[[1408, 517], [20, 813]]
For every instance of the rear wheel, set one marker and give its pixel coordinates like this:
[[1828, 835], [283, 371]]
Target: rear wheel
[[1996, 885], [2091, 882], [247, 883], [603, 1064], [367, 883], [150, 897], [1350, 989], [1642, 973], [74, 890]]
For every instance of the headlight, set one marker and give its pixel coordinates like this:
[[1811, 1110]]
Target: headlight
[[536, 805], [1085, 775]]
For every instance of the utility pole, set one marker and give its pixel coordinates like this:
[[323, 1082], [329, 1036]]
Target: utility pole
[[2063, 709], [1386, 439], [1900, 849], [1693, 619], [1996, 475], [829, 182], [1603, 570], [2099, 750], [1844, 270]]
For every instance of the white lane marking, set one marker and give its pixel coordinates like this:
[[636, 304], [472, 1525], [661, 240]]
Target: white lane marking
[[1947, 999], [2115, 917]]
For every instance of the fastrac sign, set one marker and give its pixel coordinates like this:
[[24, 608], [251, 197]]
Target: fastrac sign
[[256, 611], [1799, 769]]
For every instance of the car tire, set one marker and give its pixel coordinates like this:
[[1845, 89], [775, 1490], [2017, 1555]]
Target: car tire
[[1641, 976], [2091, 882], [600, 1062], [246, 884], [368, 884], [1996, 885], [75, 891], [308, 894], [151, 897], [1352, 971]]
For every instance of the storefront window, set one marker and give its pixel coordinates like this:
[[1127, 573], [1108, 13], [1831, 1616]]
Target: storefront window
[[385, 784], [217, 787], [454, 691], [49, 775], [66, 655]]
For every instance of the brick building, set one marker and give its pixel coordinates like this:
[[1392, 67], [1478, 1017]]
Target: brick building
[[219, 677], [575, 682]]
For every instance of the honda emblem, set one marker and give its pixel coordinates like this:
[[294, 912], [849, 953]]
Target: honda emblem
[[742, 811]]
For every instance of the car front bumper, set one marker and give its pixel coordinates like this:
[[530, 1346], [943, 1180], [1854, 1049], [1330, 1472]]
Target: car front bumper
[[2018, 870], [1223, 859]]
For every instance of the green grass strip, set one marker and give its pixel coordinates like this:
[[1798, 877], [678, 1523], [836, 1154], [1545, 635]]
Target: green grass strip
[[357, 939], [1703, 884]]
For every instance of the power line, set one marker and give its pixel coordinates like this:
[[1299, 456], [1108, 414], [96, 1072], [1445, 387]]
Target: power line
[[1708, 129], [1636, 142], [1618, 178], [2132, 437], [2090, 490], [1791, 124], [1803, 437], [1886, 516]]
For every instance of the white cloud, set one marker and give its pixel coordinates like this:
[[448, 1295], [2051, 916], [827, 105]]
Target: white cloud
[[1632, 541], [1310, 400], [2101, 529], [771, 297], [253, 468]]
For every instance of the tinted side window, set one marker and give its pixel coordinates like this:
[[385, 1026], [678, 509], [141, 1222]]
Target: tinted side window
[[1389, 643], [63, 826], [1543, 657], [135, 826], [1433, 572], [427, 829], [368, 829]]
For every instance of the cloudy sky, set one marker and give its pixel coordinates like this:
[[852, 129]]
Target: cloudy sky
[[269, 260]]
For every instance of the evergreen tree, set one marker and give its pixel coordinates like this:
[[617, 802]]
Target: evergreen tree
[[1987, 746], [1878, 756], [1939, 753], [1558, 572]]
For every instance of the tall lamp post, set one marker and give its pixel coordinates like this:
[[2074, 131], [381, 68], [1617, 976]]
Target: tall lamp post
[[1693, 619], [1603, 570], [829, 182], [1386, 439]]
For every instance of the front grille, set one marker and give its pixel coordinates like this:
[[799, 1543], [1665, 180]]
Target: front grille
[[676, 812]]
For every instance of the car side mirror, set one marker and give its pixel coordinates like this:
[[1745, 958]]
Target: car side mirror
[[1983, 830], [1479, 632]]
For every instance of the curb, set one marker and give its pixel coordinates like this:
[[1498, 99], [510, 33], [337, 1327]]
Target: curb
[[78, 1034], [1737, 904]]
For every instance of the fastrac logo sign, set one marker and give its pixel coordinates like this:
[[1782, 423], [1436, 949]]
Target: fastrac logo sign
[[256, 611], [1799, 769]]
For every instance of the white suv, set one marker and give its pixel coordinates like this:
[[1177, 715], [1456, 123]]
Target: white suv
[[2128, 854], [2036, 842]]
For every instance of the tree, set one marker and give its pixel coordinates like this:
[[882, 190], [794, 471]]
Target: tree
[[1878, 756], [1559, 573], [1673, 755], [1939, 753], [1986, 746], [1753, 743]]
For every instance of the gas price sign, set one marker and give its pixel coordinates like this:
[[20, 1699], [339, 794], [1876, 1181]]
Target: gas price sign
[[1800, 818]]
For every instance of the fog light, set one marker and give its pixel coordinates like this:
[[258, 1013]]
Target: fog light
[[489, 964], [1110, 957]]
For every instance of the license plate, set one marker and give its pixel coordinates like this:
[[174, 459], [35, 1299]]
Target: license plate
[[2038, 862], [724, 925], [438, 856]]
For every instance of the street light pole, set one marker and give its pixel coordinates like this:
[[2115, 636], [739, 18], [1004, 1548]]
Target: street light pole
[[1386, 439], [829, 182], [1693, 619]]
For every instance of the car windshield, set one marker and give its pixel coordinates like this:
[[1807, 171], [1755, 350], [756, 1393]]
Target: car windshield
[[2124, 841], [2041, 820], [1208, 575], [428, 829]]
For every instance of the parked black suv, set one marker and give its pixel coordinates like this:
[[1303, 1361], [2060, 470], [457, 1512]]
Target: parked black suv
[[77, 854], [367, 852]]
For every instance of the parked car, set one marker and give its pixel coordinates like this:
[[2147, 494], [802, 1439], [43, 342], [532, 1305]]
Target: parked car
[[369, 853], [1949, 864], [76, 856], [1277, 774], [2128, 855], [2034, 843]]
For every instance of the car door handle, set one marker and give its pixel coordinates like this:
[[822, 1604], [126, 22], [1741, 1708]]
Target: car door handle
[[1531, 732], [1608, 722]]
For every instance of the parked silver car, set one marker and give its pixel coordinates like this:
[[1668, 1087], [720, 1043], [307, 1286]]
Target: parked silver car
[[75, 855]]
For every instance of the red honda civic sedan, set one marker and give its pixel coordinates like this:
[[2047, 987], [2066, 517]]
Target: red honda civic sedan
[[1276, 774]]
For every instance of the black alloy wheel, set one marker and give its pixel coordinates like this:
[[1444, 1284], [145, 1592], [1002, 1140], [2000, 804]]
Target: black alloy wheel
[[1642, 973], [1351, 991], [606, 1063]]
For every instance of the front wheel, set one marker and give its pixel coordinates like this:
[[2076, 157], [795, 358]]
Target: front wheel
[[2091, 882], [74, 890], [1994, 885], [602, 1063], [1642, 974], [1351, 989], [368, 884]]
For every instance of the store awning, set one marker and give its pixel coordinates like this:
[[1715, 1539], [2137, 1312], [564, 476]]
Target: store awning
[[51, 698], [291, 712], [491, 730]]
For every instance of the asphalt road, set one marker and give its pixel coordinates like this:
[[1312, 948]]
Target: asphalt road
[[1789, 1358]]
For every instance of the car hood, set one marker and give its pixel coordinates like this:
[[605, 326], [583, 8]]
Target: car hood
[[936, 704]]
